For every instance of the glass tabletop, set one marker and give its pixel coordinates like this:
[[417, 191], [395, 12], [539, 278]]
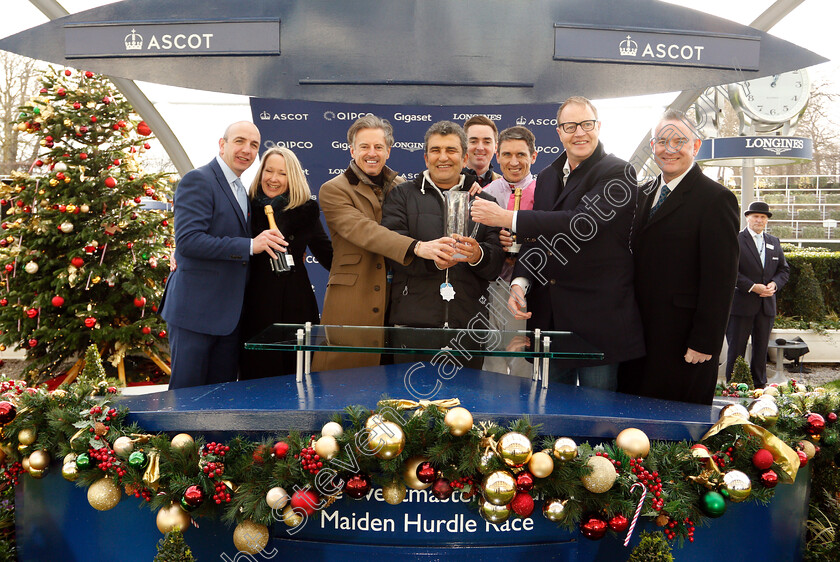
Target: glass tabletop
[[403, 340]]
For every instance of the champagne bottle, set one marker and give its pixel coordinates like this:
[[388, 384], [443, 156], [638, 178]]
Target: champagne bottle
[[284, 262], [516, 246]]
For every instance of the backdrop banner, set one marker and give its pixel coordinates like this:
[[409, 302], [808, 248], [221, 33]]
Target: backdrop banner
[[317, 133]]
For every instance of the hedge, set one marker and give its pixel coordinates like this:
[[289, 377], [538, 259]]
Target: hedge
[[826, 265]]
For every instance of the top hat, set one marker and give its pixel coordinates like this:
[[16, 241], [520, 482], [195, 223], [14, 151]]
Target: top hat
[[758, 207]]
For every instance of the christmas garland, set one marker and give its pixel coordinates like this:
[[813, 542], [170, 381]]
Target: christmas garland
[[596, 489]]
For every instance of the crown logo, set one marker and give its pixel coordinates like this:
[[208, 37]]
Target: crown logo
[[265, 115], [521, 121], [628, 47], [133, 41]]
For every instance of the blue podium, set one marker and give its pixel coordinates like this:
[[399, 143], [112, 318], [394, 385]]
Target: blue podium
[[55, 521]]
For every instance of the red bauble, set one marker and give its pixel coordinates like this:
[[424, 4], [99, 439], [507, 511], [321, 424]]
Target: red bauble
[[357, 486], [77, 105], [803, 458], [832, 417], [522, 504], [146, 330], [815, 424], [762, 459], [61, 92], [90, 322], [32, 342], [769, 479], [147, 146], [77, 262], [4, 302], [162, 334], [8, 411], [83, 156], [143, 129], [593, 527], [9, 267], [193, 497], [110, 182], [280, 449], [305, 500], [129, 245], [67, 73], [259, 453], [106, 100], [88, 74], [426, 473], [32, 312], [93, 118], [524, 481], [619, 523], [442, 489], [140, 302]]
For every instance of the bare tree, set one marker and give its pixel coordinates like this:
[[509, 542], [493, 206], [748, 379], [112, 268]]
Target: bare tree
[[18, 80], [818, 124]]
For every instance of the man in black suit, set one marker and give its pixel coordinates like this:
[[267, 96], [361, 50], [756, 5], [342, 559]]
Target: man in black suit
[[686, 251], [576, 264], [762, 271]]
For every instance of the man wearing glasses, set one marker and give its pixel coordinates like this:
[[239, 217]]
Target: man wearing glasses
[[577, 273], [686, 250]]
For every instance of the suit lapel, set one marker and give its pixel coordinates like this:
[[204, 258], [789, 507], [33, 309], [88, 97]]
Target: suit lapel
[[228, 193]]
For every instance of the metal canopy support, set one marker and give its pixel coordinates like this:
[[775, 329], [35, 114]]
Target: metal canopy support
[[764, 22], [145, 108]]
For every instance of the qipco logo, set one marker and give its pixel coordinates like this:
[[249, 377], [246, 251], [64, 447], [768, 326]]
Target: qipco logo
[[290, 144]]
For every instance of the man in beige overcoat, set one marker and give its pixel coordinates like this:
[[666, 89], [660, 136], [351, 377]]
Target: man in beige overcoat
[[357, 291]]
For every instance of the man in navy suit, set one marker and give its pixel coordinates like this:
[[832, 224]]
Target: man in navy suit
[[576, 264], [762, 271], [203, 298], [686, 253]]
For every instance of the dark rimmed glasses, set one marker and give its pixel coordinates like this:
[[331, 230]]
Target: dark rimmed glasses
[[569, 127]]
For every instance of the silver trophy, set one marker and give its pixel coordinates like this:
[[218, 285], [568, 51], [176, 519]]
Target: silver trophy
[[458, 215]]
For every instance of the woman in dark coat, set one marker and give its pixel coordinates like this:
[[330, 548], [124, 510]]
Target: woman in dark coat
[[288, 297]]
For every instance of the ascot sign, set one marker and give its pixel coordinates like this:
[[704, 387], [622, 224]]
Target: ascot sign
[[208, 38], [647, 46]]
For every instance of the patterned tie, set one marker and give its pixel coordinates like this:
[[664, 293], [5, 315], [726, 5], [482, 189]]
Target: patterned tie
[[759, 244], [241, 196], [665, 191]]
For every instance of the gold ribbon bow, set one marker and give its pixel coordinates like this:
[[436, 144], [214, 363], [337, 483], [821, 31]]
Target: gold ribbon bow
[[403, 404], [152, 475], [783, 455]]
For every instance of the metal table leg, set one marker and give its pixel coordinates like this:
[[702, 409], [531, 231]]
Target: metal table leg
[[547, 348], [299, 356]]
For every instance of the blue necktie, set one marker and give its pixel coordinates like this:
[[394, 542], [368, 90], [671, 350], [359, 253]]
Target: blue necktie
[[662, 196], [241, 196]]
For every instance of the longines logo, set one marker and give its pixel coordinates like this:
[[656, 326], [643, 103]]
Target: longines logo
[[409, 146], [343, 115], [674, 51], [266, 116], [465, 116], [777, 146]]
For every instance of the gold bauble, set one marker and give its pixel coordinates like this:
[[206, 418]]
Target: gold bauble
[[25, 463], [250, 537], [103, 494], [70, 471], [182, 440], [541, 464], [84, 208], [499, 487], [459, 420], [332, 429], [493, 513], [172, 517], [633, 442], [35, 473], [734, 410], [410, 473], [764, 412], [39, 460], [387, 440], [373, 421], [738, 485], [565, 449], [70, 208], [291, 517], [123, 446], [276, 498], [554, 509], [70, 457], [602, 477], [2, 456], [485, 462], [514, 449], [95, 279], [326, 447], [807, 447], [394, 493], [27, 436], [58, 393], [771, 391]]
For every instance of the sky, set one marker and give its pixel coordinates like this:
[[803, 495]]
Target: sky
[[624, 120]]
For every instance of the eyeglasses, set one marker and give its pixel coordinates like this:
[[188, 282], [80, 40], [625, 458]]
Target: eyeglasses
[[671, 142], [570, 127]]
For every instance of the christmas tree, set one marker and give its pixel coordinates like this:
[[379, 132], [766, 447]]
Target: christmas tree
[[741, 372], [85, 257], [173, 548], [652, 548]]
